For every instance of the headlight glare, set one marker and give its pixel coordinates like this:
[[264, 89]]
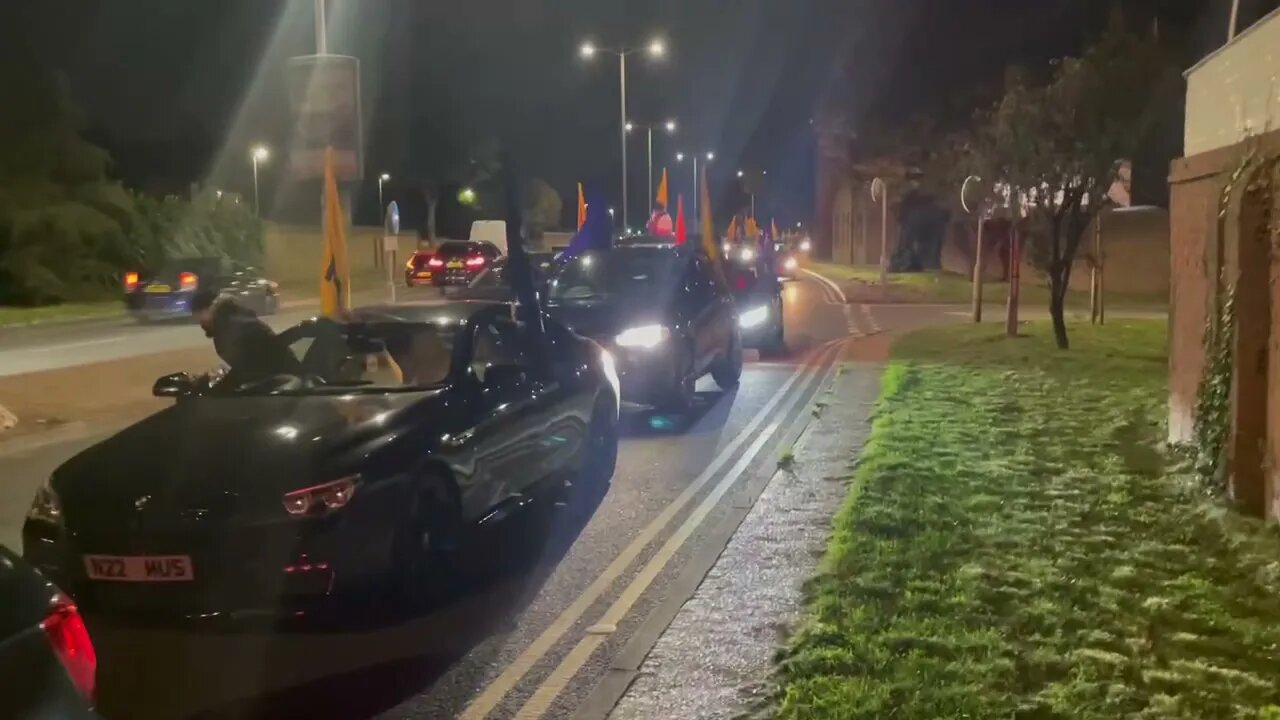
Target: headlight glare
[[645, 336], [753, 317], [790, 263]]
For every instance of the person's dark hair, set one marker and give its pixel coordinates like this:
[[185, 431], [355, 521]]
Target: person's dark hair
[[203, 300]]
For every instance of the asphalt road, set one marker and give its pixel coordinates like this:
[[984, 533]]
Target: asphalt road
[[563, 588]]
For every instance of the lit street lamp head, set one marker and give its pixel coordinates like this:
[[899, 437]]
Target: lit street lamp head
[[261, 153], [739, 173], [629, 126], [679, 157], [657, 48], [587, 51], [711, 156], [384, 177], [671, 126]]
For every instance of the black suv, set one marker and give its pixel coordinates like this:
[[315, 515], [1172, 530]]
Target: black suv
[[458, 262], [662, 313]]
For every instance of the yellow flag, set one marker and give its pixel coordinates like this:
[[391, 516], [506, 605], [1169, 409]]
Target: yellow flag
[[710, 243], [582, 207], [335, 274], [662, 190], [732, 233], [753, 230], [773, 230]]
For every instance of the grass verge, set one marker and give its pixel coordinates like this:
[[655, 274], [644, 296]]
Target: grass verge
[[1014, 546], [10, 315], [861, 283]]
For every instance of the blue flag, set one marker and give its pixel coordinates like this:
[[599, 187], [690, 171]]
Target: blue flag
[[597, 232]]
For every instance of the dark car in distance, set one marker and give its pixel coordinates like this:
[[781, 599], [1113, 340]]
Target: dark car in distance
[[758, 295], [48, 665], [663, 313], [494, 283], [408, 427], [166, 292], [458, 262], [418, 270]]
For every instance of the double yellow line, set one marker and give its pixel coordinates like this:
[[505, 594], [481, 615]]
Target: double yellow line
[[814, 370]]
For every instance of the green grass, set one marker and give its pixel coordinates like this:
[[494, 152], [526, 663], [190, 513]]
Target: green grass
[[943, 287], [1015, 545], [10, 315]]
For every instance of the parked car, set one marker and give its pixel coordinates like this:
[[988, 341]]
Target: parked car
[[47, 660], [410, 425], [167, 292], [458, 262], [660, 309], [419, 269]]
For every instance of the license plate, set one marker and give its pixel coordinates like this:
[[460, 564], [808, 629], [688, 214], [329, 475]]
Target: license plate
[[453, 264], [423, 275], [139, 568], [158, 289]]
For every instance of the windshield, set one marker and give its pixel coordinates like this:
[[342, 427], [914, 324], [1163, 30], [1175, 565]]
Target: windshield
[[455, 249], [362, 357], [617, 272]]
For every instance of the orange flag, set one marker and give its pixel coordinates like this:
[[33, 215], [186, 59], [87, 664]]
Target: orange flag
[[682, 232], [753, 230], [582, 207], [732, 232], [710, 243], [662, 190], [335, 274], [773, 230]]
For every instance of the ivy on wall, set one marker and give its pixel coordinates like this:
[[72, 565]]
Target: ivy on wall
[[1213, 397]]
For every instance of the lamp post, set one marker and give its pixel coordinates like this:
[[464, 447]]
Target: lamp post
[[879, 193], [680, 158], [656, 49], [980, 210], [381, 179], [670, 127], [259, 153]]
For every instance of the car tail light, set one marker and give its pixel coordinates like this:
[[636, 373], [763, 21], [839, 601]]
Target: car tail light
[[69, 637], [475, 262], [742, 283], [329, 496], [435, 262], [188, 280], [130, 281]]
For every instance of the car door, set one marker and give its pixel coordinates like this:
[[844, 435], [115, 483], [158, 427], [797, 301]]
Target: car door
[[510, 452], [699, 303]]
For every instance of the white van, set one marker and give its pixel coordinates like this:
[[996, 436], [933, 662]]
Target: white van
[[490, 231]]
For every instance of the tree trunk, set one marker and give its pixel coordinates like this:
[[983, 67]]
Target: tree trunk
[[1057, 307]]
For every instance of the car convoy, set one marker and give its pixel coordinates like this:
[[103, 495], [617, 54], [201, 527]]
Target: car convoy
[[401, 430]]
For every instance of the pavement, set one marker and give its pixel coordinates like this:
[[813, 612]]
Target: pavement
[[574, 596]]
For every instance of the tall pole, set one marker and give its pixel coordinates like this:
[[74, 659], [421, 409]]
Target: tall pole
[[1235, 16], [977, 273], [696, 191], [381, 207], [1015, 274], [649, 190], [622, 127], [257, 210], [753, 205], [322, 43]]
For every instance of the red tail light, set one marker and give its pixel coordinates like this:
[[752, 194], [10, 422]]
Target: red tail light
[[435, 262], [188, 280], [70, 640], [475, 262], [742, 283], [130, 281]]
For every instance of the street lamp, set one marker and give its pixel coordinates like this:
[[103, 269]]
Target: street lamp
[[381, 179], [656, 49], [696, 189], [670, 127], [259, 153], [467, 196]]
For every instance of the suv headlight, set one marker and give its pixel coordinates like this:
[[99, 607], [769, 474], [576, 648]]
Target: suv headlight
[[753, 317], [46, 506], [646, 336]]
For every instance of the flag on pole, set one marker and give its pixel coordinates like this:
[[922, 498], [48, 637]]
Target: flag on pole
[[733, 229], [335, 274], [710, 243], [582, 207], [753, 230], [596, 232], [773, 230], [682, 232], [662, 190]]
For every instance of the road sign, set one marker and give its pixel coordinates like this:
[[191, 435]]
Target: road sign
[[324, 99]]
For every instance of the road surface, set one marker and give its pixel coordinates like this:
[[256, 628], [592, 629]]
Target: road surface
[[535, 635]]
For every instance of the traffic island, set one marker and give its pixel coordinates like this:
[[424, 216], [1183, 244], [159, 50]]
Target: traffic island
[[1017, 544]]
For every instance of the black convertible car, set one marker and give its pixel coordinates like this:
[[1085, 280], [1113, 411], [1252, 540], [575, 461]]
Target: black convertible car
[[408, 426], [660, 310]]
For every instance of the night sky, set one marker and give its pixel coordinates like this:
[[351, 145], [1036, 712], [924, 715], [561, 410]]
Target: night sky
[[179, 89]]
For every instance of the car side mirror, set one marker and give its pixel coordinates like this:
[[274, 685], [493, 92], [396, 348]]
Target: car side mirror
[[176, 385], [501, 377]]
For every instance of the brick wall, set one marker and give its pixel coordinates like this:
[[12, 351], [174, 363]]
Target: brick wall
[[1193, 199]]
